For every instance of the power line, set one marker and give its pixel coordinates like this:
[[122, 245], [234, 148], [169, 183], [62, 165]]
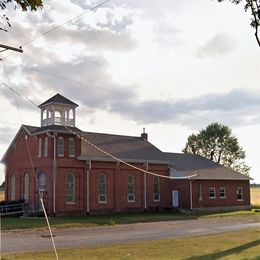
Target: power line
[[109, 154], [66, 22], [116, 92]]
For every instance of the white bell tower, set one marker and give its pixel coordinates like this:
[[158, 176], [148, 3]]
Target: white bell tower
[[58, 110]]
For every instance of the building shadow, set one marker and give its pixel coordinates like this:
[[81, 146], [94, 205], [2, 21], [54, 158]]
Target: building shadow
[[228, 252]]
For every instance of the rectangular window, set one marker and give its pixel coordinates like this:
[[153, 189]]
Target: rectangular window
[[60, 146], [212, 193], [70, 189], [130, 188], [156, 188], [71, 147], [46, 147], [222, 193], [102, 189], [240, 195]]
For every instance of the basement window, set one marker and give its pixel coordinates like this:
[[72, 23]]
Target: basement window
[[222, 193], [240, 195], [212, 193]]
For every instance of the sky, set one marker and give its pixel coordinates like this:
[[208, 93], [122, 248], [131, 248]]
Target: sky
[[171, 67]]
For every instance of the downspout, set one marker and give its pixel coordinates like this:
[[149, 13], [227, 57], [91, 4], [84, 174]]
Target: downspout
[[145, 198], [88, 171], [54, 170], [191, 206]]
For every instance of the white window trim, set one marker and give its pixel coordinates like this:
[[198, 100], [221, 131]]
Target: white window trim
[[223, 197], [159, 194], [46, 147], [129, 200], [102, 201], [156, 200], [72, 155], [105, 194], [212, 198], [242, 194], [131, 194], [58, 153], [74, 201]]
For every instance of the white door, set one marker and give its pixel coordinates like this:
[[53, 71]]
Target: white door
[[175, 198]]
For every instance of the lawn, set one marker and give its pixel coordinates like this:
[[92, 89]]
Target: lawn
[[235, 245], [110, 219], [255, 196]]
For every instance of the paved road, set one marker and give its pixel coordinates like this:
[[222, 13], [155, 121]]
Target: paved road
[[13, 242]]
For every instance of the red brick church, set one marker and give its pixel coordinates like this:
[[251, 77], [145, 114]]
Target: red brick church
[[75, 178]]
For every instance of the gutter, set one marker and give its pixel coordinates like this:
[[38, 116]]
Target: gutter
[[54, 169]]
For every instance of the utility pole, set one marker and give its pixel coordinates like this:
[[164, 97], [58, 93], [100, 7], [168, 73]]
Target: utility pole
[[4, 47]]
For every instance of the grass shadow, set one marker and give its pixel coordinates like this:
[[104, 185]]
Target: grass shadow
[[228, 252]]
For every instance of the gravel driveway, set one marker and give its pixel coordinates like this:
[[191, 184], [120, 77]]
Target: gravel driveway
[[27, 241]]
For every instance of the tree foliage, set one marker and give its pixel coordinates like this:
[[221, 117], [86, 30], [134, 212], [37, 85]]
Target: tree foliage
[[252, 6], [25, 5], [217, 143]]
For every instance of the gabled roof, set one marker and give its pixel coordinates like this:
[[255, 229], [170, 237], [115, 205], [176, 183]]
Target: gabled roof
[[130, 148], [188, 165], [58, 99]]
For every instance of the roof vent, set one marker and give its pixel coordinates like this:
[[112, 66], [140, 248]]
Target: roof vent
[[144, 135]]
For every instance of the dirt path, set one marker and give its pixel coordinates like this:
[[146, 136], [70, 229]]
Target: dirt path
[[13, 242]]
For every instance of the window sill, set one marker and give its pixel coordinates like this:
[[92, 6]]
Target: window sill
[[102, 202], [131, 201], [222, 198], [156, 200], [240, 200], [70, 203], [72, 156], [212, 198]]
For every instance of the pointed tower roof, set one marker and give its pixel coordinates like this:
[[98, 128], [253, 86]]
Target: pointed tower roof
[[58, 99]]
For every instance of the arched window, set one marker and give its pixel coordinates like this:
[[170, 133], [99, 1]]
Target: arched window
[[156, 188], [13, 187], [70, 188], [42, 182], [39, 147], [130, 188], [102, 188], [45, 147], [60, 146], [71, 147], [26, 188]]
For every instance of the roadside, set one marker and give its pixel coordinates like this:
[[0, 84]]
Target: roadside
[[110, 219], [106, 235], [236, 245]]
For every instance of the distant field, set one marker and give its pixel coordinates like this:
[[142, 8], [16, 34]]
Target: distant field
[[255, 196], [2, 195]]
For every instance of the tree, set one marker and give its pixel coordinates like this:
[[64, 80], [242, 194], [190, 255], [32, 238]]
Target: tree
[[217, 143], [25, 5], [254, 7]]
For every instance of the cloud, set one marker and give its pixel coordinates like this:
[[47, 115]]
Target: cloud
[[6, 134], [221, 44]]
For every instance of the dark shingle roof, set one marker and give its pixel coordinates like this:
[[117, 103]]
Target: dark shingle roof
[[58, 99], [123, 147], [58, 128], [188, 164]]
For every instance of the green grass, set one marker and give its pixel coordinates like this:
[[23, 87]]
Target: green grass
[[235, 245], [110, 219]]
